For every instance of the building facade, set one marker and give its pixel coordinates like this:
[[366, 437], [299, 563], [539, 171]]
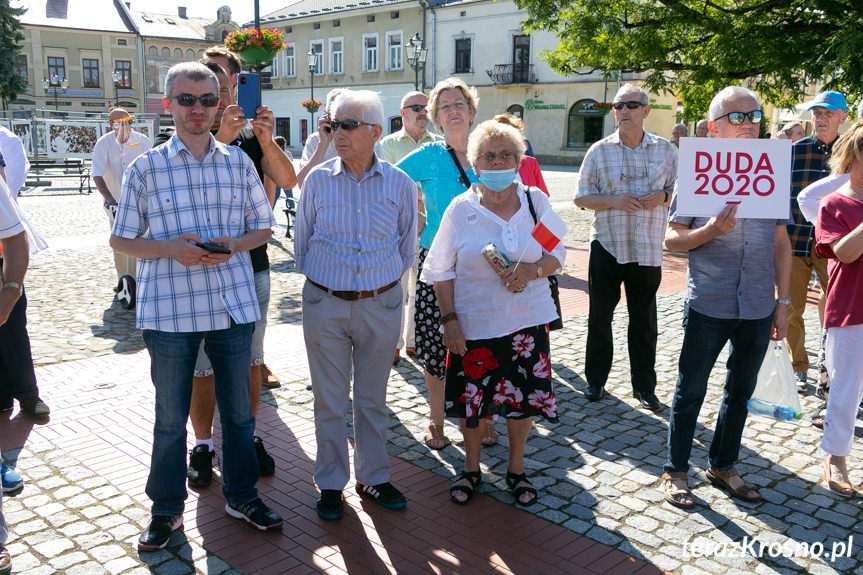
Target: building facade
[[356, 45], [88, 53]]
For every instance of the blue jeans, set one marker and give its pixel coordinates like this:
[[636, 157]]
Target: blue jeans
[[703, 339], [172, 363]]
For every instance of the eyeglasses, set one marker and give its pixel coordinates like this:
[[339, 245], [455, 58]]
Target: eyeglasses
[[347, 125], [736, 118], [454, 107], [630, 105], [188, 100], [504, 156], [415, 107]]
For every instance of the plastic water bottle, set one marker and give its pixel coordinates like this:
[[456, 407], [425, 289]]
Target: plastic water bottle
[[774, 410]]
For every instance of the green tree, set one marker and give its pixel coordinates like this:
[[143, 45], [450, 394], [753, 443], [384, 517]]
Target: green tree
[[11, 39], [693, 48]]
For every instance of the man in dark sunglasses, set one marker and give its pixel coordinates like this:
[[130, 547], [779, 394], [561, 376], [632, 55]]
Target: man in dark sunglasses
[[178, 214], [414, 133], [627, 179], [737, 291], [355, 237]]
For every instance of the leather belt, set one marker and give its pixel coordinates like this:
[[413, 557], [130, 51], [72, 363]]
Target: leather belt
[[354, 295]]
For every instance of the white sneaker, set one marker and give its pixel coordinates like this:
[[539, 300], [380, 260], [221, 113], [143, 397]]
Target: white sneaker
[[800, 378]]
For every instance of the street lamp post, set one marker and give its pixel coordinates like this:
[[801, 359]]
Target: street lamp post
[[416, 56], [313, 66], [116, 76], [56, 82]]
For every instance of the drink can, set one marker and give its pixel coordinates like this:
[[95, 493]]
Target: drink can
[[496, 259]]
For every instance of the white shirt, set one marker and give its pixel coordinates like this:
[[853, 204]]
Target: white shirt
[[10, 220], [111, 158], [485, 308], [810, 197], [312, 145], [17, 166]]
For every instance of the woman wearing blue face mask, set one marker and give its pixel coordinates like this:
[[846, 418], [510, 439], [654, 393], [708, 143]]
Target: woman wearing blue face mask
[[495, 327]]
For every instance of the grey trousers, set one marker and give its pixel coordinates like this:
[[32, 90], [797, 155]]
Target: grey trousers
[[345, 339]]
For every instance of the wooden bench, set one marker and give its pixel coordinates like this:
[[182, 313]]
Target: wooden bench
[[43, 171]]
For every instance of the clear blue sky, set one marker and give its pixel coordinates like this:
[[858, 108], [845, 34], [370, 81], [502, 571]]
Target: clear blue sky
[[241, 10]]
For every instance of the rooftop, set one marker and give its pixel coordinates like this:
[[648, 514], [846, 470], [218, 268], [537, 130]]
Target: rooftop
[[81, 14], [305, 8]]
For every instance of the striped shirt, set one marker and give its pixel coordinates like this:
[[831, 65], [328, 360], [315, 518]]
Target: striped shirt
[[166, 192], [612, 168], [355, 235], [809, 157]]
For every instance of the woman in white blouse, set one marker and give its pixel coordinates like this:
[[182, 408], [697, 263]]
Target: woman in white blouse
[[495, 328]]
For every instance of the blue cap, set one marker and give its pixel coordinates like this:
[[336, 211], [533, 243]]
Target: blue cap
[[830, 100]]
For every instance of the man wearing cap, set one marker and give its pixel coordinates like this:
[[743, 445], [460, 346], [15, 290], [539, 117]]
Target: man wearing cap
[[112, 154], [809, 158]]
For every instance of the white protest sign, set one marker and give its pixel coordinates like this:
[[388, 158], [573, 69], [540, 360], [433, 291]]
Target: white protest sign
[[715, 172]]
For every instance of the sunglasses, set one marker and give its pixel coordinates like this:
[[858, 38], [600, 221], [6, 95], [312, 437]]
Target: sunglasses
[[736, 118], [347, 125], [188, 100], [416, 108], [630, 105]]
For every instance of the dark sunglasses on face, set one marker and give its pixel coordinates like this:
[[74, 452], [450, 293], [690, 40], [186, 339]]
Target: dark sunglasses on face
[[630, 105], [736, 118], [416, 107], [188, 100], [347, 125]]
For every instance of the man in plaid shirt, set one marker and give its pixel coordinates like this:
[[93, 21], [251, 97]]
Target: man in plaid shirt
[[809, 157], [627, 180], [191, 190]]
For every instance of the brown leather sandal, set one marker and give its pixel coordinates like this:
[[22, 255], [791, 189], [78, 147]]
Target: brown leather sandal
[[841, 488], [434, 436], [677, 491], [722, 479]]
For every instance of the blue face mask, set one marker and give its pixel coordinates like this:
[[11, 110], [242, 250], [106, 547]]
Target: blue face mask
[[497, 180]]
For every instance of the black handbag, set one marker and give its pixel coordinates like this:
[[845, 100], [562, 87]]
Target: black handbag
[[552, 279]]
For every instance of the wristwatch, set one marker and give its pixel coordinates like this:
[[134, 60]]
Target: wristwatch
[[14, 285], [538, 270], [786, 301]]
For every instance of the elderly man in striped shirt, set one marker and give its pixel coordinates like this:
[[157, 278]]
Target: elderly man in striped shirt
[[356, 232], [190, 210]]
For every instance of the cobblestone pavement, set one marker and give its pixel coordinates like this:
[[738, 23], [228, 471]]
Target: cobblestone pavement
[[597, 470]]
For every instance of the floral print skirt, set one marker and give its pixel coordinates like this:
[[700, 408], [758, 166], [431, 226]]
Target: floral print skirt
[[508, 376]]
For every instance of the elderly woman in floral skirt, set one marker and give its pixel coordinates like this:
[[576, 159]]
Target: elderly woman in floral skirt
[[495, 327]]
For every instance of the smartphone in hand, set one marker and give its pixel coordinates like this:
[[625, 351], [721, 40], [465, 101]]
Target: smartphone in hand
[[249, 93], [211, 247]]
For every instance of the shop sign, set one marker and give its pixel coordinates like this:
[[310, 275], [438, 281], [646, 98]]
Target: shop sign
[[531, 104]]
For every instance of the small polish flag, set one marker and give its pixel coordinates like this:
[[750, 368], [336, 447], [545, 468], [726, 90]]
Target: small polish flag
[[549, 230]]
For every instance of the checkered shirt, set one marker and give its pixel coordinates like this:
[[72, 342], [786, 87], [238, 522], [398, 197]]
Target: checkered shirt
[[166, 192], [612, 168], [808, 164]]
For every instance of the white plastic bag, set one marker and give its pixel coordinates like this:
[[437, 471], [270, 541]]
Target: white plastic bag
[[776, 378]]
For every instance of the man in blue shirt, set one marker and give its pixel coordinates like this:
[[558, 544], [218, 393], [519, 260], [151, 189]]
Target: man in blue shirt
[[192, 190], [355, 237], [730, 282]]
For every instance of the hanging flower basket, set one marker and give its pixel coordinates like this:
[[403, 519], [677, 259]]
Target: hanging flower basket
[[602, 107], [311, 105], [256, 47]]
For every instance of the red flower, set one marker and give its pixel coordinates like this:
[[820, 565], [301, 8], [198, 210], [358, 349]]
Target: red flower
[[542, 369], [477, 361], [544, 401], [507, 393], [471, 398]]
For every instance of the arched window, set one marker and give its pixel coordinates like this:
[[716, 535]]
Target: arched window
[[395, 124], [166, 53], [178, 54], [516, 110], [152, 52], [585, 124], [190, 55]]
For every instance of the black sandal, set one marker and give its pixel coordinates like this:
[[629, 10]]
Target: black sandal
[[512, 480], [474, 478]]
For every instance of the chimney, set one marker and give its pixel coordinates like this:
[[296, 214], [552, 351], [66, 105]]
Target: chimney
[[181, 12]]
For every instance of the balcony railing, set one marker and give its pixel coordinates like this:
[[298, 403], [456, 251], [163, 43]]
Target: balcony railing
[[512, 74]]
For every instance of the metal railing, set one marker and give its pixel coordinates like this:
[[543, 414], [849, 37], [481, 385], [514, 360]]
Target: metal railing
[[512, 74]]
